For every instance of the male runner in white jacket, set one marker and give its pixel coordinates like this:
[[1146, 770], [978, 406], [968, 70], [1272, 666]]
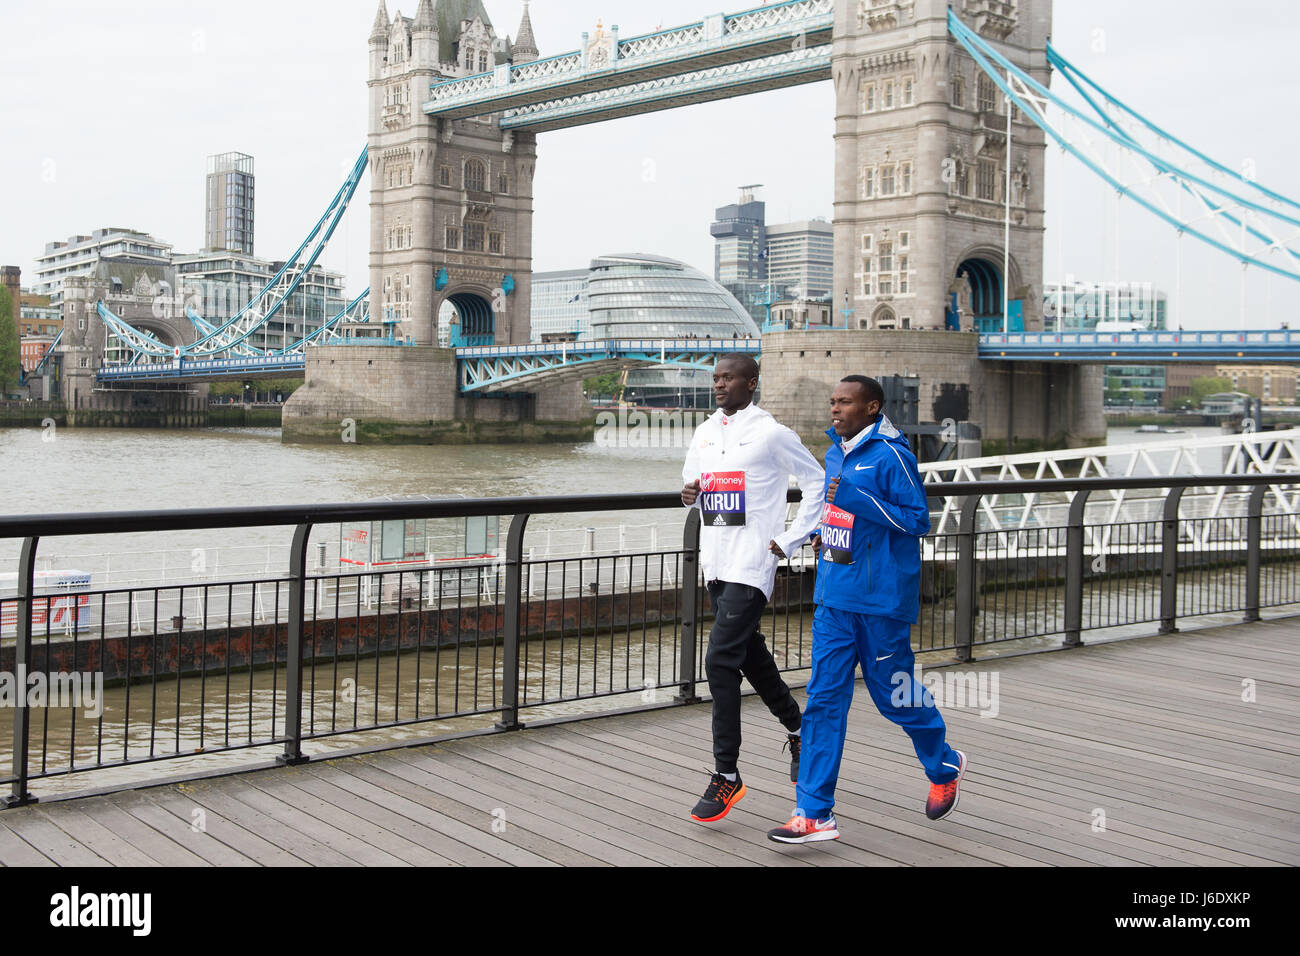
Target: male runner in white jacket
[[737, 472]]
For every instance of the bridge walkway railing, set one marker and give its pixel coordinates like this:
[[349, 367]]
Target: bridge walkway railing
[[323, 659]]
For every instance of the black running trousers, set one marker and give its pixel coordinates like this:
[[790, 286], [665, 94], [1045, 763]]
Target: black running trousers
[[736, 648]]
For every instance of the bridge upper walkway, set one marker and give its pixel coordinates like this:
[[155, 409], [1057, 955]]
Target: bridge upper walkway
[[1152, 732]]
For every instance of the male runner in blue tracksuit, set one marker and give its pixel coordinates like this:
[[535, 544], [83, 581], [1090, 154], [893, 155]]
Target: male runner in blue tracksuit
[[867, 595]]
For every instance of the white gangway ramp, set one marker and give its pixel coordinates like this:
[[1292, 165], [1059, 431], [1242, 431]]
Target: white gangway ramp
[[1012, 518]]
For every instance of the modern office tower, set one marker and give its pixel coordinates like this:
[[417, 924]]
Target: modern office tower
[[559, 308], [799, 258], [228, 224], [738, 260]]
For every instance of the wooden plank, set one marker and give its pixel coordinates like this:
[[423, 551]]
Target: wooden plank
[[48, 839], [224, 810], [157, 846], [297, 789], [85, 829], [523, 805], [14, 850], [180, 828], [476, 845], [340, 840], [180, 801]]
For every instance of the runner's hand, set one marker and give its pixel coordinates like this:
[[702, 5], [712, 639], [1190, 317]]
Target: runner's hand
[[775, 549], [690, 493], [817, 546], [830, 490]]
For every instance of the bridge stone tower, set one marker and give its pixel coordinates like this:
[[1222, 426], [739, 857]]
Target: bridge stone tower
[[451, 222], [920, 165], [920, 185], [450, 200]]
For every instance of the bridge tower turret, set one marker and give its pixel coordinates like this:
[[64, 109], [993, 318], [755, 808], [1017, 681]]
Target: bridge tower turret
[[450, 200]]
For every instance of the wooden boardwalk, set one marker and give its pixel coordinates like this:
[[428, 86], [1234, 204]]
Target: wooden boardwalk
[[1141, 752]]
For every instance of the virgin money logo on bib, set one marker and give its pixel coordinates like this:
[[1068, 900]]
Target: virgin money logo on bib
[[837, 535], [722, 497]]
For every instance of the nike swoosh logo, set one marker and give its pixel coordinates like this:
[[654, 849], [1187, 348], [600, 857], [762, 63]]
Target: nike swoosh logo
[[885, 658], [732, 617], [862, 467], [750, 442]]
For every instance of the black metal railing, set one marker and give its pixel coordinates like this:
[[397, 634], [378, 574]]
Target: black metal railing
[[199, 674]]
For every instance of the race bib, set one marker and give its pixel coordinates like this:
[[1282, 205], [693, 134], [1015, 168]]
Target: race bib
[[722, 498], [837, 535]]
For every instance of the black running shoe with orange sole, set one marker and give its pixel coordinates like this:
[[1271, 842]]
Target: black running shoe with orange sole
[[719, 797]]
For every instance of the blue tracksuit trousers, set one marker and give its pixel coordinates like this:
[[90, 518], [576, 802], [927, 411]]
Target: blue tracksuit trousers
[[842, 640]]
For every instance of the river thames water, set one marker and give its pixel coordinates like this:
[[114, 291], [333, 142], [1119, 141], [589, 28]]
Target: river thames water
[[76, 470]]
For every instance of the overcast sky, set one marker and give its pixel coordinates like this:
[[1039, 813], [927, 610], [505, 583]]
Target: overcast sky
[[110, 110]]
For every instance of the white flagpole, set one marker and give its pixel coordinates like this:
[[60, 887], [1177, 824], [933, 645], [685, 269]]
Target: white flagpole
[[1006, 227]]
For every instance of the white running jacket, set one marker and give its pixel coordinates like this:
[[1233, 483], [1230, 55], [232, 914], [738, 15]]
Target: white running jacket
[[744, 463]]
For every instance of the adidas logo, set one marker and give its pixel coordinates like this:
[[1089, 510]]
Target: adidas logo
[[718, 519]]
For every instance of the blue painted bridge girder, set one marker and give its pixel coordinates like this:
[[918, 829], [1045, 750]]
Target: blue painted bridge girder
[[204, 370], [1150, 348], [723, 55], [522, 368]]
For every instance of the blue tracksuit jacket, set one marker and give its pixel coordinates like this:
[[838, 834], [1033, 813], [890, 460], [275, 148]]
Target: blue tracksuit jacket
[[871, 548]]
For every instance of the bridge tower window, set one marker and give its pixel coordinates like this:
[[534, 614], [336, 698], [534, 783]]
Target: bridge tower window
[[453, 237], [986, 180], [868, 97], [474, 237], [475, 175], [887, 180]]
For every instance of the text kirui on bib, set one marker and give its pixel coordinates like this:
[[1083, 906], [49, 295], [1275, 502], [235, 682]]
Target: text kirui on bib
[[837, 535], [722, 498]]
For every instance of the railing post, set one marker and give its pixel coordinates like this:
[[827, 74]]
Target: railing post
[[690, 608], [1074, 570], [1254, 544], [965, 623], [18, 794], [512, 598], [293, 655], [1169, 563]]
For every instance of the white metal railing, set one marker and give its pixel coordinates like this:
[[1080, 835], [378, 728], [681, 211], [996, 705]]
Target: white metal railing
[[1250, 453]]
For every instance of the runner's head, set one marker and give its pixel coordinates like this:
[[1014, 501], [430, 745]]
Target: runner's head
[[735, 378], [855, 404]]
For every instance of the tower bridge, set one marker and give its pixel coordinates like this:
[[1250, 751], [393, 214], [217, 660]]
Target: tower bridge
[[943, 114]]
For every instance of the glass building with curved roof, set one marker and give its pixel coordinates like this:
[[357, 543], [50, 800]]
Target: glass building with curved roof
[[636, 295]]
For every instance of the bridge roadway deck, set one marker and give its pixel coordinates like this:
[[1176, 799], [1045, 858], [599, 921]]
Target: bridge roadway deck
[[1152, 731]]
